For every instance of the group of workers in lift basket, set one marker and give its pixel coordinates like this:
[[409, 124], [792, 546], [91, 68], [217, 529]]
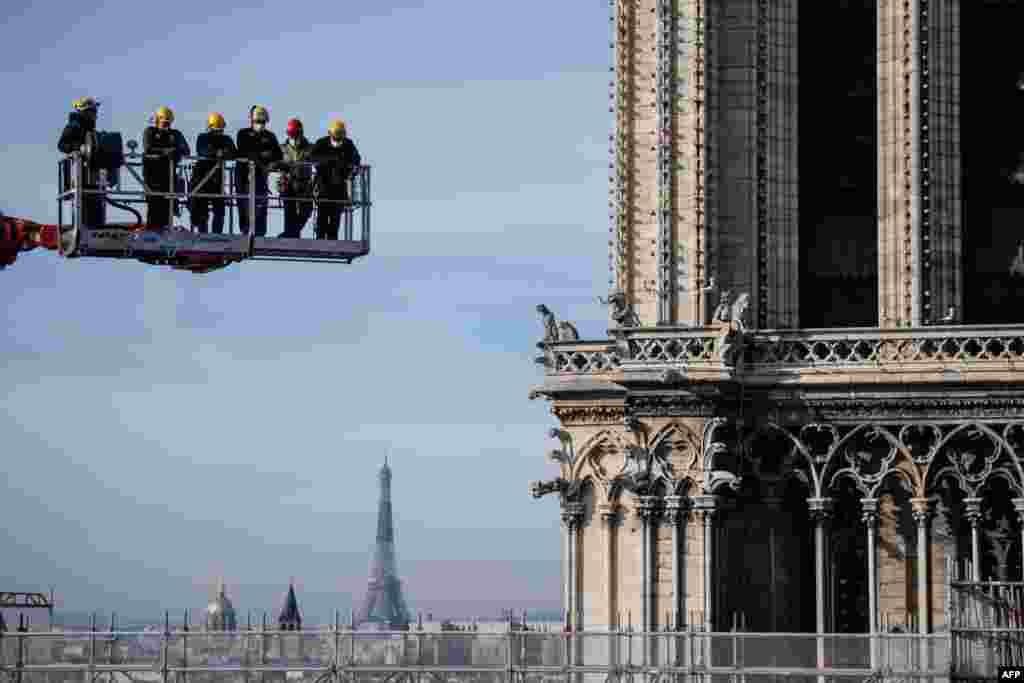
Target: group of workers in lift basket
[[334, 155]]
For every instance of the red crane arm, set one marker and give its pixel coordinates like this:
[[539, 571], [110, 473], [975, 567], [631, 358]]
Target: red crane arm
[[18, 234]]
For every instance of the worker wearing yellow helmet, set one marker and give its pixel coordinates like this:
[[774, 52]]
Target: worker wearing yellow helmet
[[163, 147], [260, 149], [78, 135], [214, 148], [336, 158]]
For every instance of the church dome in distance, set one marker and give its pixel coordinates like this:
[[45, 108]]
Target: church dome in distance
[[220, 613]]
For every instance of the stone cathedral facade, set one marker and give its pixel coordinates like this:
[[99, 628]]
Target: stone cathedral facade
[[808, 412]]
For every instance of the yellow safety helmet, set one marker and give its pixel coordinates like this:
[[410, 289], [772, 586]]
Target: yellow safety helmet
[[259, 112], [336, 129], [215, 121], [164, 113], [85, 104]]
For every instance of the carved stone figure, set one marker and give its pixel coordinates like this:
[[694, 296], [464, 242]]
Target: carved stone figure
[[733, 328], [621, 313], [739, 310], [721, 313], [643, 468], [1017, 266], [550, 324], [567, 331]]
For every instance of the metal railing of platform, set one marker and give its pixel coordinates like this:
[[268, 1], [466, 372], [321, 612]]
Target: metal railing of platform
[[124, 188]]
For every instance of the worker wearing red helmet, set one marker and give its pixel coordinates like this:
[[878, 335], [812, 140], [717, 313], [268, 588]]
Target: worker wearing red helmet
[[260, 147], [208, 174], [336, 158], [296, 180]]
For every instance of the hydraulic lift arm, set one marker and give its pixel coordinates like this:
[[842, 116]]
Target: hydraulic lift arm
[[18, 235]]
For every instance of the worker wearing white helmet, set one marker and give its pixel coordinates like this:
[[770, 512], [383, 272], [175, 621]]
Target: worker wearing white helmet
[[258, 146]]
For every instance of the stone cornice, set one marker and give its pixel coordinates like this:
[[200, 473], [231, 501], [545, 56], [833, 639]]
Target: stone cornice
[[894, 407], [593, 414]]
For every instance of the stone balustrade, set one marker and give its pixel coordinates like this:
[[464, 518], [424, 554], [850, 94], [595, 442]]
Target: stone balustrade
[[986, 352]]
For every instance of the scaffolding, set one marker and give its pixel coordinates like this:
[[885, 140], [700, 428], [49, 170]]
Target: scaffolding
[[519, 653], [987, 625]]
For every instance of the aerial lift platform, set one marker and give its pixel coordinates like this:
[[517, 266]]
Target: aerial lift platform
[[82, 228]]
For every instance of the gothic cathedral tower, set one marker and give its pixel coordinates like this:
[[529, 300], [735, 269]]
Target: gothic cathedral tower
[[809, 409]]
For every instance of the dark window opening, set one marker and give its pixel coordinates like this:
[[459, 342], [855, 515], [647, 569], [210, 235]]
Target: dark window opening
[[838, 194], [992, 145]]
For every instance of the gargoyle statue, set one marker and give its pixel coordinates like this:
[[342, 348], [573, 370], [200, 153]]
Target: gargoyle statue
[[621, 313], [539, 489], [567, 331], [567, 490], [550, 325]]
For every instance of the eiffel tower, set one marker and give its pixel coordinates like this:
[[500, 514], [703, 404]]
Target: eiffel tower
[[384, 605]]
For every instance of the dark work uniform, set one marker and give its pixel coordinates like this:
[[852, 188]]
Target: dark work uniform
[[334, 167], [297, 193], [213, 148], [79, 129], [161, 147], [264, 149]]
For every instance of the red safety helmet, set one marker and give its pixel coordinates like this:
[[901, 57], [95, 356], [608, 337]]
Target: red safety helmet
[[294, 128]]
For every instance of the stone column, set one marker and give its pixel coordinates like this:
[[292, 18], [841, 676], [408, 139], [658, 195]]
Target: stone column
[[572, 515], [922, 513], [647, 511], [706, 507], [972, 510], [609, 518], [821, 511], [869, 514], [675, 515], [1018, 505]]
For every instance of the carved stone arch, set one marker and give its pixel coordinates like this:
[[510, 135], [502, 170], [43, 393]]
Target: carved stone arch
[[719, 434], [587, 480], [939, 472], [1006, 475], [799, 452], [593, 451], [687, 486], [944, 461], [662, 487], [871, 470], [900, 474], [846, 475], [681, 448], [591, 495]]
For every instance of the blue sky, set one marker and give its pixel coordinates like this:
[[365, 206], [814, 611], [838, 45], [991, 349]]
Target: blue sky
[[161, 429]]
